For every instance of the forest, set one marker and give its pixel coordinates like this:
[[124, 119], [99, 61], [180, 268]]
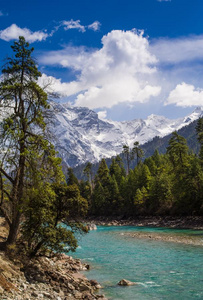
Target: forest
[[162, 184]]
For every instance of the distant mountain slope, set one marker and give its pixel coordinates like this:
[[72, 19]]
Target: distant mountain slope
[[188, 132], [80, 135]]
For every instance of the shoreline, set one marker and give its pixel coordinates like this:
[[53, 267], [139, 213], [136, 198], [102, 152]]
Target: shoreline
[[54, 278], [176, 222], [58, 277], [190, 222]]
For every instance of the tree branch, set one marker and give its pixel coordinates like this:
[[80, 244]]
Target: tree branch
[[6, 175]]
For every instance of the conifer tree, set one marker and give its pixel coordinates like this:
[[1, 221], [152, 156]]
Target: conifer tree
[[29, 168], [126, 153], [22, 102], [199, 130], [177, 150], [137, 151]]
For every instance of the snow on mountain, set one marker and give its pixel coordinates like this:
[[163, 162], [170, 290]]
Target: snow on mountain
[[80, 135]]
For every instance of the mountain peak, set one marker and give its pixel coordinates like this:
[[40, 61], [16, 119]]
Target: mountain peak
[[81, 136]]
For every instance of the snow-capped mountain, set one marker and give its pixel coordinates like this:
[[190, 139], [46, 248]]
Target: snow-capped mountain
[[81, 136]]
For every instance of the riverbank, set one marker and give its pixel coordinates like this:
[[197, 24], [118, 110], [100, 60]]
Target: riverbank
[[57, 278], [189, 222], [46, 278]]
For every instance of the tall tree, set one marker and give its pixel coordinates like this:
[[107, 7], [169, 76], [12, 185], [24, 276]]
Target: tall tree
[[177, 150], [199, 130], [137, 151], [126, 153], [28, 165], [22, 128], [88, 172], [71, 179]]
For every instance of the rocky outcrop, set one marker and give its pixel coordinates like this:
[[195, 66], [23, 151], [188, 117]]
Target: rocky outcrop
[[125, 282], [46, 278]]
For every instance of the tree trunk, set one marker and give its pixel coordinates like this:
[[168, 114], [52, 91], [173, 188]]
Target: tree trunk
[[13, 230]]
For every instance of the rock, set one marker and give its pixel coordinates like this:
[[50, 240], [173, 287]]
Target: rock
[[1, 291], [102, 296], [46, 294], [95, 284], [34, 294], [92, 226], [125, 282], [78, 295], [84, 287]]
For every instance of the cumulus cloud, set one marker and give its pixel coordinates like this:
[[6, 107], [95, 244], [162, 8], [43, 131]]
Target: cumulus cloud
[[95, 26], [102, 114], [13, 32], [54, 85], [178, 50], [185, 95], [118, 72], [164, 0], [73, 25]]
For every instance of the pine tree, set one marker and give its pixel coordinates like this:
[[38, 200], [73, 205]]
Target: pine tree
[[22, 102], [178, 151], [199, 130], [29, 168], [126, 153], [72, 179], [137, 151]]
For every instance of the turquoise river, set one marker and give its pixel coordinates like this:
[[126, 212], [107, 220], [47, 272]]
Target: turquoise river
[[163, 270]]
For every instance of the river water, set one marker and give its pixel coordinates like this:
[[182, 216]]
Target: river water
[[163, 270]]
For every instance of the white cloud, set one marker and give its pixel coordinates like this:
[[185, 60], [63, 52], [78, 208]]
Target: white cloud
[[1, 14], [95, 26], [164, 0], [102, 114], [118, 72], [13, 32], [51, 84], [73, 25], [179, 50], [185, 95]]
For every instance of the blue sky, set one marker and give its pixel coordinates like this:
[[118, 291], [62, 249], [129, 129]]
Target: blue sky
[[124, 59]]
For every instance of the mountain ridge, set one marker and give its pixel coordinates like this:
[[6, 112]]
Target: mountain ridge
[[81, 136]]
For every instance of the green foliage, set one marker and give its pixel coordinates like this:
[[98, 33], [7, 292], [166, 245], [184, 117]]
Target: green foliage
[[35, 200], [47, 208], [199, 130], [137, 151], [163, 184], [72, 179], [178, 151]]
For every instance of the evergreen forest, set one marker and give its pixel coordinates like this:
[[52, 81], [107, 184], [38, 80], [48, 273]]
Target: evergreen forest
[[162, 184]]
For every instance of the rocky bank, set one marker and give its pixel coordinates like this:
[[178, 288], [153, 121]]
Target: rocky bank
[[187, 222], [56, 278]]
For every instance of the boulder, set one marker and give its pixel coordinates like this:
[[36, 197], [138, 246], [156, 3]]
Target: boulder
[[125, 282], [92, 226]]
